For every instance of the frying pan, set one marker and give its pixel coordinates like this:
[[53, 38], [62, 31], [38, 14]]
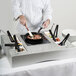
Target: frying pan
[[34, 41]]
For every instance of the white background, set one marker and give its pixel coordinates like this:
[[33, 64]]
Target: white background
[[64, 14]]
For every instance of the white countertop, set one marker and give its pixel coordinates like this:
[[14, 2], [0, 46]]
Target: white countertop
[[62, 67], [65, 64]]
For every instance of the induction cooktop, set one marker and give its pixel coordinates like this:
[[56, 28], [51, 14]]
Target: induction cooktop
[[45, 40]]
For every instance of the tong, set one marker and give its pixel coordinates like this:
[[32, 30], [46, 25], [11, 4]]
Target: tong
[[10, 36], [10, 45], [52, 35], [16, 44], [64, 40], [55, 33], [0, 47]]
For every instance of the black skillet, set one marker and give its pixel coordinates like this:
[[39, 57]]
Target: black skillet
[[34, 41]]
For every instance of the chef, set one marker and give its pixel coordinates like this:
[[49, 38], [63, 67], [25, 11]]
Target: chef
[[32, 13]]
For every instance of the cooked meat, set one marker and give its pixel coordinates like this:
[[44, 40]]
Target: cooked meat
[[34, 37]]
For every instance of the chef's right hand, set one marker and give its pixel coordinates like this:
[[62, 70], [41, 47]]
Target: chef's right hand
[[22, 20]]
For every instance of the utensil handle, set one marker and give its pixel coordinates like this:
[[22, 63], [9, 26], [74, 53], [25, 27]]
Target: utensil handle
[[52, 35], [31, 35], [56, 31], [26, 27], [64, 40], [0, 47], [16, 44], [40, 30], [10, 36], [9, 44]]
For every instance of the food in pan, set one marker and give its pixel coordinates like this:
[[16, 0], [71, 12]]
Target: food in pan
[[35, 37]]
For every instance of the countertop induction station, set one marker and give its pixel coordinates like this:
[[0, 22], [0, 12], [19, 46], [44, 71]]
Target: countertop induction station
[[48, 50], [45, 41]]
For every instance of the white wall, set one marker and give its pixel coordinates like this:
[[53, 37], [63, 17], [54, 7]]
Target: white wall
[[64, 14], [6, 17]]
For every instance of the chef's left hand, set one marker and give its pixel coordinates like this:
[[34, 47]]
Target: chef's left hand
[[46, 23]]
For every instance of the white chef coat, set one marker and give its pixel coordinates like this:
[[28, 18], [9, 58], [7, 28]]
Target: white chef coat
[[35, 11]]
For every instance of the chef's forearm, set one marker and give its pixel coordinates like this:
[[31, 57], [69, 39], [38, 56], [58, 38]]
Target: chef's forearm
[[22, 19], [21, 16], [46, 23], [18, 17]]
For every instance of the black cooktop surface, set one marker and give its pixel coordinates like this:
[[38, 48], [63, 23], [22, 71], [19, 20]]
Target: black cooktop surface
[[45, 40]]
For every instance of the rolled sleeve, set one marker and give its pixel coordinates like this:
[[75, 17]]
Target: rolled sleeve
[[16, 8], [47, 11]]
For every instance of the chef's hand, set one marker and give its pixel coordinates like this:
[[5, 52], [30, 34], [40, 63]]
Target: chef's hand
[[46, 23], [22, 20]]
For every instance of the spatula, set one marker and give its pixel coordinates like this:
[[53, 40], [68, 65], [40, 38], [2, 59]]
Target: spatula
[[31, 35]]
